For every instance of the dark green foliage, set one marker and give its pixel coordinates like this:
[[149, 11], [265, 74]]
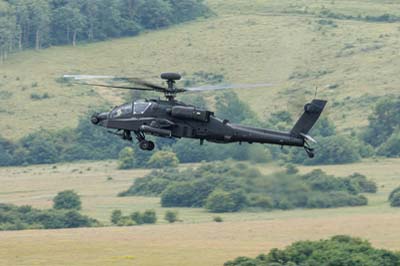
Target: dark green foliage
[[231, 107], [126, 158], [391, 148], [42, 23], [223, 201], [338, 251], [218, 219], [383, 122], [337, 149], [394, 198], [149, 217], [228, 187], [171, 216], [162, 159], [67, 200], [25, 217], [116, 216], [137, 217]]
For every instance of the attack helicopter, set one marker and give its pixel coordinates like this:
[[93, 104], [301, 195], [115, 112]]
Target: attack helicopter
[[171, 118]]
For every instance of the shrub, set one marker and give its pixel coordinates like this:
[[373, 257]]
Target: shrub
[[137, 217], [391, 148], [163, 159], [126, 158], [222, 201], [394, 198], [26, 217], [171, 216], [67, 199], [116, 216], [149, 217], [218, 219]]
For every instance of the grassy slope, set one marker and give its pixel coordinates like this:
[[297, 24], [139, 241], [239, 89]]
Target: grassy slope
[[196, 241], [257, 41]]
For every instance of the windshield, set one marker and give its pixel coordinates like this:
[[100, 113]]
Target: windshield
[[140, 107], [122, 110]]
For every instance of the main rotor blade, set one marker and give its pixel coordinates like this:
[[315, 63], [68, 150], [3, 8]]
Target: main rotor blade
[[228, 86], [117, 87], [83, 77], [145, 83]]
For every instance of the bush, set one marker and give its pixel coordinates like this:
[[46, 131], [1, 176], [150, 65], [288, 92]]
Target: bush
[[391, 148], [162, 159], [394, 198], [218, 219], [67, 199], [171, 216], [222, 201], [116, 216], [126, 158], [230, 187], [26, 217], [137, 217], [149, 217], [338, 250]]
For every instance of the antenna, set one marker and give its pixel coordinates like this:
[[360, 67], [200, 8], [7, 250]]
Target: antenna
[[316, 92]]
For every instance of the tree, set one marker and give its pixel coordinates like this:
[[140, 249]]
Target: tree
[[383, 122], [163, 159], [67, 199], [230, 106], [116, 216], [126, 158], [171, 216], [391, 148]]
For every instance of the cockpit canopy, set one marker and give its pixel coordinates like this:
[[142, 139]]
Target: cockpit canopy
[[126, 110]]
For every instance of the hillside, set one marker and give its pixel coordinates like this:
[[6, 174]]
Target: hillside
[[296, 45]]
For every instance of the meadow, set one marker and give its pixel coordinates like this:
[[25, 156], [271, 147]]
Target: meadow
[[196, 240]]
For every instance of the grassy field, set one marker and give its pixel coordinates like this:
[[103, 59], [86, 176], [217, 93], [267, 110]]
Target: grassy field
[[282, 42], [195, 241]]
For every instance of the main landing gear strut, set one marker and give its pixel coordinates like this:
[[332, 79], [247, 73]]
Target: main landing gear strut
[[309, 150], [144, 144]]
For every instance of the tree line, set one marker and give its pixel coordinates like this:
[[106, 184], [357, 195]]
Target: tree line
[[86, 142], [42, 23]]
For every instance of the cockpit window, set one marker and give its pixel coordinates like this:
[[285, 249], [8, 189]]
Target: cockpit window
[[140, 107], [122, 110]]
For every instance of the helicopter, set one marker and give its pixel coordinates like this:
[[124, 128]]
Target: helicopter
[[171, 118]]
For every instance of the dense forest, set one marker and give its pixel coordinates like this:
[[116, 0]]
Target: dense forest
[[42, 23]]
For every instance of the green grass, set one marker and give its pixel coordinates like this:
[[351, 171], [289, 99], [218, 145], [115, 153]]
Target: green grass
[[247, 42], [194, 241]]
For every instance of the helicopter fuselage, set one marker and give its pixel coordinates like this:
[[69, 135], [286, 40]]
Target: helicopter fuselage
[[174, 119]]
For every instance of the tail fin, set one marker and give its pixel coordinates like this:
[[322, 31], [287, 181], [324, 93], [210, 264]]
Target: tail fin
[[312, 111]]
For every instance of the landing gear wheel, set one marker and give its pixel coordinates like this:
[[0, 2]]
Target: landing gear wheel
[[144, 145], [309, 151], [151, 146]]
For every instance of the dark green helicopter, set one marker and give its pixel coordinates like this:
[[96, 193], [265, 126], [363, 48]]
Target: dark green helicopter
[[171, 118]]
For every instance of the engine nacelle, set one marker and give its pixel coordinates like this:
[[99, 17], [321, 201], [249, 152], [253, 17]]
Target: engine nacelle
[[189, 112]]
